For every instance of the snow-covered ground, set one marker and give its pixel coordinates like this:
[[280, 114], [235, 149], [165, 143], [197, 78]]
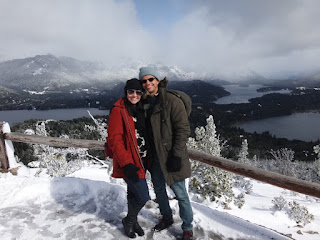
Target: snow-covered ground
[[89, 204]]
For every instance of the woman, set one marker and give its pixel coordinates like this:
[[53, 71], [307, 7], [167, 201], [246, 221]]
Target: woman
[[126, 140]]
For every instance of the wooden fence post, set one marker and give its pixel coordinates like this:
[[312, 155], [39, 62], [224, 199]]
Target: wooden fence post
[[3, 154]]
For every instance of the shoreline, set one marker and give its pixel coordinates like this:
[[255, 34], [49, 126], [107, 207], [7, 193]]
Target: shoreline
[[306, 111]]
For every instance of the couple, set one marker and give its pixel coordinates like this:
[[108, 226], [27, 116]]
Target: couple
[[151, 134]]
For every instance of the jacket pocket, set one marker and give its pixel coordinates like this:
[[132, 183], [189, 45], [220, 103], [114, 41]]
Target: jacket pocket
[[167, 145]]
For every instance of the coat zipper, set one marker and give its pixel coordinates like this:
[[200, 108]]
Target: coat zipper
[[135, 146]]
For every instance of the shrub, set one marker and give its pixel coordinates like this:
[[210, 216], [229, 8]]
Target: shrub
[[279, 203], [300, 214], [239, 200]]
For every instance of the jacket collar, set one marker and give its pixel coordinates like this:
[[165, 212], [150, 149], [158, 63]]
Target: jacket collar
[[119, 103]]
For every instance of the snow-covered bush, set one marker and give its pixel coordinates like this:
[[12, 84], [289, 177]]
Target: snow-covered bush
[[300, 169], [210, 182], [59, 162], [300, 214], [57, 165], [239, 200], [279, 203], [284, 158], [243, 183]]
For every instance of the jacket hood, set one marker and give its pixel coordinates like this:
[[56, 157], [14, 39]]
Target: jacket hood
[[163, 83]]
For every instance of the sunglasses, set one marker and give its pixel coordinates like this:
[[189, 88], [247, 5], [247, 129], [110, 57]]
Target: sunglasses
[[132, 91], [149, 79]]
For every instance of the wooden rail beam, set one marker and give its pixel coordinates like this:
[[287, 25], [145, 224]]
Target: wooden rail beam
[[276, 179], [53, 141]]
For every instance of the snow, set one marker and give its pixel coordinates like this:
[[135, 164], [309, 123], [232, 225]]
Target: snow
[[89, 204], [38, 71], [35, 92]]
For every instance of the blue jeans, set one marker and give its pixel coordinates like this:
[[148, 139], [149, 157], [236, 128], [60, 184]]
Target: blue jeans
[[179, 189], [137, 193]]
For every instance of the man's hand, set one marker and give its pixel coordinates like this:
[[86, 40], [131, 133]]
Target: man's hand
[[173, 164]]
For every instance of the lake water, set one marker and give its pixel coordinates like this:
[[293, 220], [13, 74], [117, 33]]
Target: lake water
[[15, 116], [240, 94], [301, 126]]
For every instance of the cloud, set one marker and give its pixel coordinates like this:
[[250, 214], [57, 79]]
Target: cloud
[[221, 38], [86, 29], [225, 36]]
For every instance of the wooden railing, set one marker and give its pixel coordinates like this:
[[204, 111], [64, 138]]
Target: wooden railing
[[275, 179]]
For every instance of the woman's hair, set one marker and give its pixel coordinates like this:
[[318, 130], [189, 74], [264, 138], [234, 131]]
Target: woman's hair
[[132, 83], [135, 84], [132, 108]]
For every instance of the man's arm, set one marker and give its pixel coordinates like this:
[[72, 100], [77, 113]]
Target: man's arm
[[180, 128]]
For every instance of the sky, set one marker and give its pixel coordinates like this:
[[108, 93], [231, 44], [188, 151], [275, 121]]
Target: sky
[[272, 38]]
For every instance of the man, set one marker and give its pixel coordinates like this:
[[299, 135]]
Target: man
[[168, 125]]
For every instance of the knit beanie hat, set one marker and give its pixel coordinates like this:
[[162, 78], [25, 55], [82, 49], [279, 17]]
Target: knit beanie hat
[[148, 71], [133, 83]]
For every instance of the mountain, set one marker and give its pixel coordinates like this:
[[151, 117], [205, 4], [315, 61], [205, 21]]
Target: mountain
[[47, 81], [49, 72], [199, 91], [311, 82]]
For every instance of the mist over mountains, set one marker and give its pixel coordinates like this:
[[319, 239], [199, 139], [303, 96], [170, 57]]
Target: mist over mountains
[[51, 73], [48, 72]]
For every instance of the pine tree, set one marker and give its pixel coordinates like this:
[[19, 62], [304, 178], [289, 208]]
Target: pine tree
[[243, 154], [241, 181], [210, 182]]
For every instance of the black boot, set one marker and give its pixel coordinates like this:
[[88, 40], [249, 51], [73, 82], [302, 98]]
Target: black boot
[[164, 223], [132, 215], [129, 227], [138, 229]]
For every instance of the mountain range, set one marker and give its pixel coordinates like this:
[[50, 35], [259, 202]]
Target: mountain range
[[47, 81], [47, 72], [51, 73]]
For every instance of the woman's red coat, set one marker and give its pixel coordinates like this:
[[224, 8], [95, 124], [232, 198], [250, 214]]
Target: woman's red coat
[[122, 141]]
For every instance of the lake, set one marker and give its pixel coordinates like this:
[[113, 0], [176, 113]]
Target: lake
[[15, 116], [240, 94], [301, 126]]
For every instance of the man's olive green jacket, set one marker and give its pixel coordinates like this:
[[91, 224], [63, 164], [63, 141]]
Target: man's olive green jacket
[[171, 130]]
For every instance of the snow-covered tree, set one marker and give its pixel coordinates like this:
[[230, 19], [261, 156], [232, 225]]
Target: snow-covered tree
[[210, 182], [284, 158], [243, 154], [240, 181], [57, 161], [101, 127], [316, 149]]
